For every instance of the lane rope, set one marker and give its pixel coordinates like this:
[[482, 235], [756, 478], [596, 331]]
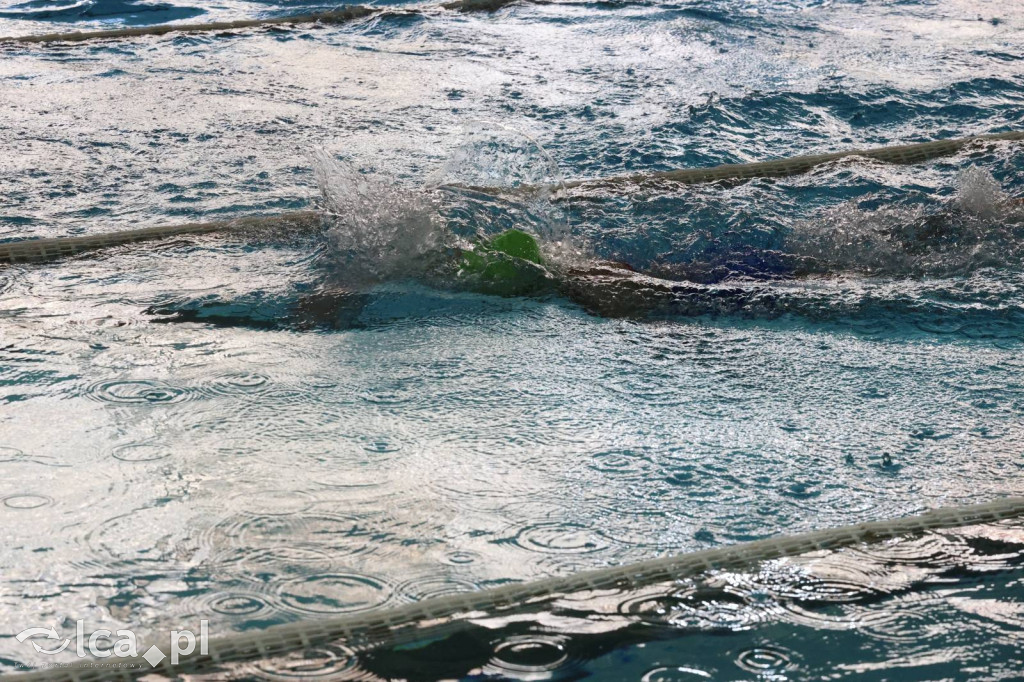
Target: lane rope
[[36, 250], [377, 627], [900, 154], [341, 15]]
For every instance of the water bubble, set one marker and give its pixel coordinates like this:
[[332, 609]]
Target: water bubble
[[381, 445], [802, 489], [622, 461]]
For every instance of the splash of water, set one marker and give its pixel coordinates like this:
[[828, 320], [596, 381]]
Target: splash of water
[[980, 227], [980, 194], [379, 230], [376, 229], [522, 187], [513, 166]]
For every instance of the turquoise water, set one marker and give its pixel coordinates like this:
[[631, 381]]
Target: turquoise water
[[852, 350]]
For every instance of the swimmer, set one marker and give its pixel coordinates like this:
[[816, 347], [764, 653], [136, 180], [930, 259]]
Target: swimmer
[[508, 264], [513, 264]]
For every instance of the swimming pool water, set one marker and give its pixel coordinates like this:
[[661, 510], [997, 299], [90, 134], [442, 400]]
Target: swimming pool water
[[431, 439]]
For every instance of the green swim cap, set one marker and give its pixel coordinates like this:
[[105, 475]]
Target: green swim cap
[[518, 244], [482, 259], [493, 263]]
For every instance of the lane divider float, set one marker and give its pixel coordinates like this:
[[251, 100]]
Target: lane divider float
[[374, 628], [341, 15]]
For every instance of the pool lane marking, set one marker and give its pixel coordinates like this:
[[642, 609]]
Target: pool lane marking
[[35, 250]]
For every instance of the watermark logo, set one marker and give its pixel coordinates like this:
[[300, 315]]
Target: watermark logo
[[103, 643]]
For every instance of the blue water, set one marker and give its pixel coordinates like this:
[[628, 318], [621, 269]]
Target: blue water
[[176, 443]]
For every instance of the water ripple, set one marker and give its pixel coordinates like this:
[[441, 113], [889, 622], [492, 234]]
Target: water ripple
[[766, 660], [140, 392], [26, 501], [142, 452], [236, 605], [526, 656], [327, 661], [462, 558], [238, 383], [850, 349], [433, 585], [558, 537], [274, 564], [334, 593]]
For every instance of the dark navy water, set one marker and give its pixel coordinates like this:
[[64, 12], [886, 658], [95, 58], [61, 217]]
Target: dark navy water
[[269, 428]]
